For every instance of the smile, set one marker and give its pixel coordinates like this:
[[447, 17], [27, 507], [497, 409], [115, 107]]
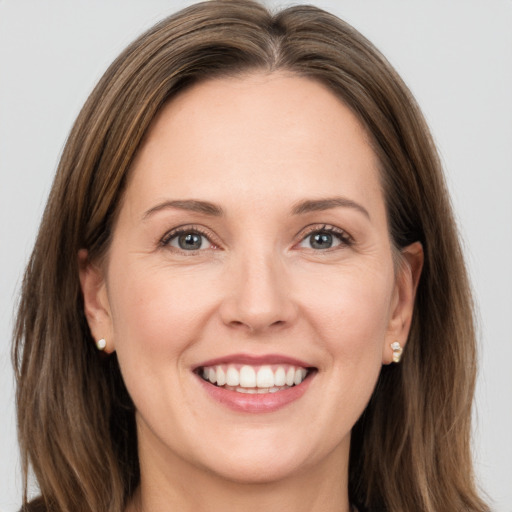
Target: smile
[[255, 384], [254, 379]]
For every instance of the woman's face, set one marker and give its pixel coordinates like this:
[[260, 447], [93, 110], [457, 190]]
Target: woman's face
[[251, 248]]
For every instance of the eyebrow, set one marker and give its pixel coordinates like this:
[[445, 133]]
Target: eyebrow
[[192, 205], [300, 208], [315, 205]]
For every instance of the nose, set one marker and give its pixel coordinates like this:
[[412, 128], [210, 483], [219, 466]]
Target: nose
[[258, 295]]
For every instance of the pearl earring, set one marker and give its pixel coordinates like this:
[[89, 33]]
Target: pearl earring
[[101, 344], [397, 351]]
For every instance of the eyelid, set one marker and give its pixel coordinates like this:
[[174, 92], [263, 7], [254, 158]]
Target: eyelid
[[185, 229], [345, 238]]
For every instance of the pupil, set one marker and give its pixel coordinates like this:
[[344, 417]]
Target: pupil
[[190, 241], [321, 241]]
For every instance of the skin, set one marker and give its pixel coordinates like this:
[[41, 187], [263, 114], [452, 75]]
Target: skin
[[255, 146]]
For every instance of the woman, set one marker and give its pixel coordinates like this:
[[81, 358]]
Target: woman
[[248, 227]]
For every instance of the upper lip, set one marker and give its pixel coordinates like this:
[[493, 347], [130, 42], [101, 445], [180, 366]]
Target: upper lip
[[254, 360]]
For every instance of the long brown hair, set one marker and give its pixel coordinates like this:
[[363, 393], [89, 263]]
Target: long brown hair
[[410, 449]]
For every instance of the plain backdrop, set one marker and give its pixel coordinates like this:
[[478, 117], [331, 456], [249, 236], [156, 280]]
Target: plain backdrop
[[456, 56]]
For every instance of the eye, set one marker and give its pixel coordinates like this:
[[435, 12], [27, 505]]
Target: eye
[[187, 240], [321, 240], [326, 237]]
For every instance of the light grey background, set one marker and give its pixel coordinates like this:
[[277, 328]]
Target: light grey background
[[457, 58]]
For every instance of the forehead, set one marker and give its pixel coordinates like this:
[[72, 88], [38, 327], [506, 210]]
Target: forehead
[[257, 135]]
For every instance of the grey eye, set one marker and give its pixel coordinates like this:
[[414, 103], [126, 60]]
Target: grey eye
[[321, 240], [189, 241]]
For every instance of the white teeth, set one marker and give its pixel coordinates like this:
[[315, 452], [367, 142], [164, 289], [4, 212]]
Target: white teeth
[[265, 377], [290, 376], [254, 391], [232, 377], [299, 376], [221, 376], [280, 377], [249, 379]]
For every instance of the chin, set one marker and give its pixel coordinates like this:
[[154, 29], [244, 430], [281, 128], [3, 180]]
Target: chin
[[270, 459], [259, 471]]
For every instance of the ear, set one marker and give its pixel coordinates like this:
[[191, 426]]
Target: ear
[[96, 304], [407, 277]]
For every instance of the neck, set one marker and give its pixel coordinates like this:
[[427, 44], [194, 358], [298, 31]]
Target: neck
[[271, 497]]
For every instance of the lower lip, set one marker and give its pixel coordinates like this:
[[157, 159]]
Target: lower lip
[[256, 403]]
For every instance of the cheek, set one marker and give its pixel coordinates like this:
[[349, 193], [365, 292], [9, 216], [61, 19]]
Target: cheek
[[347, 317], [157, 311], [157, 315], [351, 315]]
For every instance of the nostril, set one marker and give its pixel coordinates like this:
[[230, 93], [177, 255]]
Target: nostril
[[253, 327]]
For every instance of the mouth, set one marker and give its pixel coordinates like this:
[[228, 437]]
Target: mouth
[[247, 383], [254, 378]]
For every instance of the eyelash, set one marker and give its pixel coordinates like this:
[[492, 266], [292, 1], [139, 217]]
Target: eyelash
[[186, 230], [345, 239]]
